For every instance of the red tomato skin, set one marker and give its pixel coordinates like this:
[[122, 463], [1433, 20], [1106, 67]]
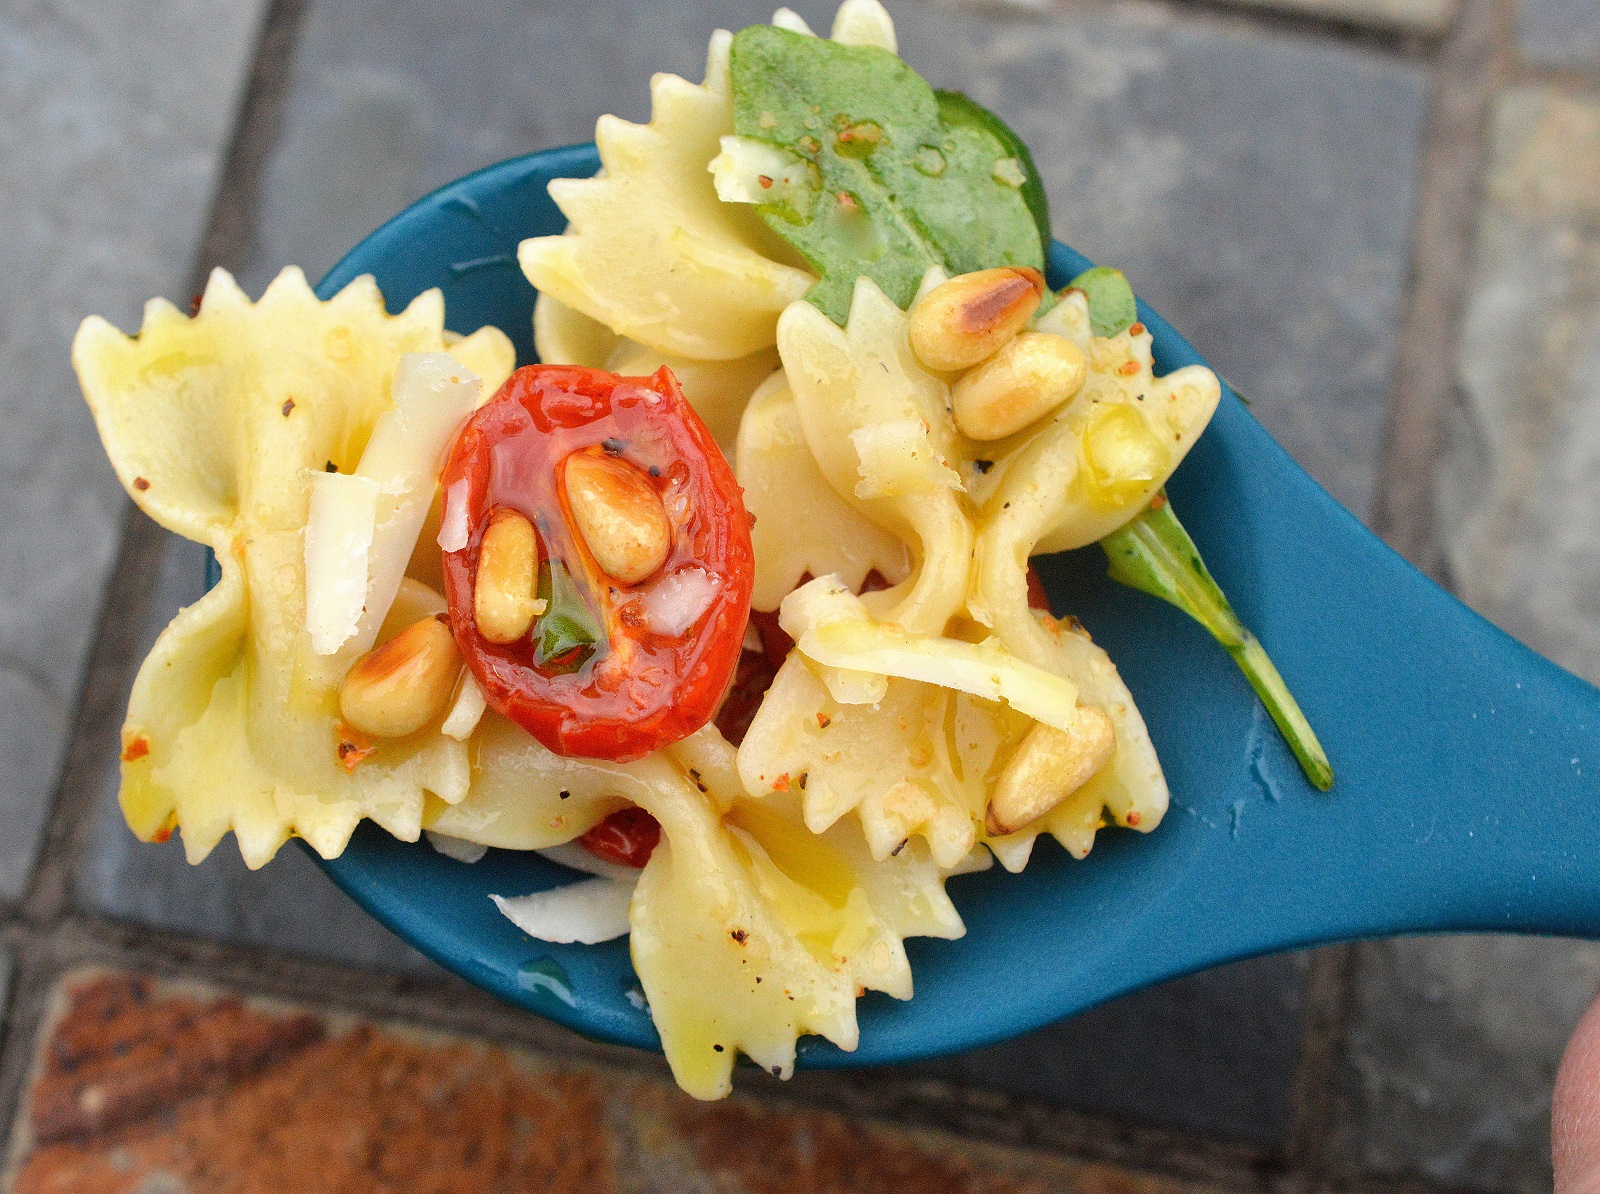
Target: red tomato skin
[[627, 837], [643, 690]]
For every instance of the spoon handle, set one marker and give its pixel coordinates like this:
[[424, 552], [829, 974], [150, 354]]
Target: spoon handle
[[1467, 791]]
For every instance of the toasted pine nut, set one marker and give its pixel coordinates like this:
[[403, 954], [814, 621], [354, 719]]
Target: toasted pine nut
[[620, 516], [1049, 766], [505, 601], [969, 318], [398, 688], [1026, 380]]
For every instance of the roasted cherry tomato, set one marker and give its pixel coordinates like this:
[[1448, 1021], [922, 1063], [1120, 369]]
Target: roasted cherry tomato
[[627, 837], [609, 471]]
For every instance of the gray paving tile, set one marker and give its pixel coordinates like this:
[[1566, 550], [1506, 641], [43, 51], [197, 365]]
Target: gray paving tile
[[1212, 1053], [1559, 32], [1219, 165], [1453, 1049], [114, 119], [1519, 513], [288, 905]]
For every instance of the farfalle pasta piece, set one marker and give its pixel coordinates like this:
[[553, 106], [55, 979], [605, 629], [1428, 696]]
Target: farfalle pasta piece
[[747, 930], [781, 479], [878, 426], [1100, 458], [214, 425], [651, 253], [718, 390]]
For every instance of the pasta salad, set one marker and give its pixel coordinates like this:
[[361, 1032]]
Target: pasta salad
[[727, 602]]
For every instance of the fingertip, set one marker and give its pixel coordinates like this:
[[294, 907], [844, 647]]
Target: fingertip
[[1575, 1110]]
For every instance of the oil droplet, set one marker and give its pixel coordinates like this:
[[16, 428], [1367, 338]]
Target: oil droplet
[[1262, 734], [929, 161], [546, 976]]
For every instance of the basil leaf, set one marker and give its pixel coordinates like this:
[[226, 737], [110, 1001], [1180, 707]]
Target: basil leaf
[[959, 110], [1111, 303], [893, 187], [567, 632], [1155, 555]]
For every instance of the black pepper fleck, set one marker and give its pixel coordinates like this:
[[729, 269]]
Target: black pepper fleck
[[613, 447], [287, 407], [983, 466], [566, 795], [330, 467]]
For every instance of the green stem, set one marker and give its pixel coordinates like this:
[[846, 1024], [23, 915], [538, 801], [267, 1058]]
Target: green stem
[[1155, 555]]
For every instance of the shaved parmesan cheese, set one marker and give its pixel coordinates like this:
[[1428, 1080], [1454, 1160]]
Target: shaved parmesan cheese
[[453, 525], [344, 513], [676, 602], [831, 626], [457, 848], [864, 23], [750, 171], [574, 857], [588, 912], [467, 711], [787, 18], [432, 395]]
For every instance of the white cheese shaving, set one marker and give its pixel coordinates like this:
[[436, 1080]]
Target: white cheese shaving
[[574, 857], [466, 712], [751, 171], [457, 848], [453, 523], [433, 393], [676, 602], [864, 23], [339, 529], [831, 626], [588, 912]]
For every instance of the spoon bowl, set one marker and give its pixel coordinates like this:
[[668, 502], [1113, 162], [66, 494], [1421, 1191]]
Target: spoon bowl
[[1467, 793]]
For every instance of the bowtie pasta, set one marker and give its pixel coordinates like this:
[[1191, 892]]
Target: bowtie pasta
[[728, 602]]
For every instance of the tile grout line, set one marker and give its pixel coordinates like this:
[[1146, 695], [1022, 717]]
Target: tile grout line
[[1472, 64]]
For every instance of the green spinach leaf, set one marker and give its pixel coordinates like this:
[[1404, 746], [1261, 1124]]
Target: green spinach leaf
[[1112, 307], [894, 185]]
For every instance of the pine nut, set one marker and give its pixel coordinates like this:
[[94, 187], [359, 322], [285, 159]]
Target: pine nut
[[969, 318], [1049, 766], [505, 601], [398, 688], [620, 516], [1026, 380]]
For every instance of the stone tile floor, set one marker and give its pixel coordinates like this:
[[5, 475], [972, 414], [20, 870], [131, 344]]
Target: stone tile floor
[[1262, 171]]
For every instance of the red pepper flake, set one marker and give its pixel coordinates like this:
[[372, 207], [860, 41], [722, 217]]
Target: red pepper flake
[[764, 181], [1158, 501], [141, 484], [1128, 368], [137, 747], [353, 747], [288, 408], [1136, 329], [1134, 818], [194, 304], [781, 784], [847, 203], [739, 935], [824, 721], [165, 832]]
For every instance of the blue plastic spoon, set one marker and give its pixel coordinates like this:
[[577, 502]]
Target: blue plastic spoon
[[1468, 790]]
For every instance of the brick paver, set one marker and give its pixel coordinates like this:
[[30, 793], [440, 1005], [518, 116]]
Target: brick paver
[[142, 1086]]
